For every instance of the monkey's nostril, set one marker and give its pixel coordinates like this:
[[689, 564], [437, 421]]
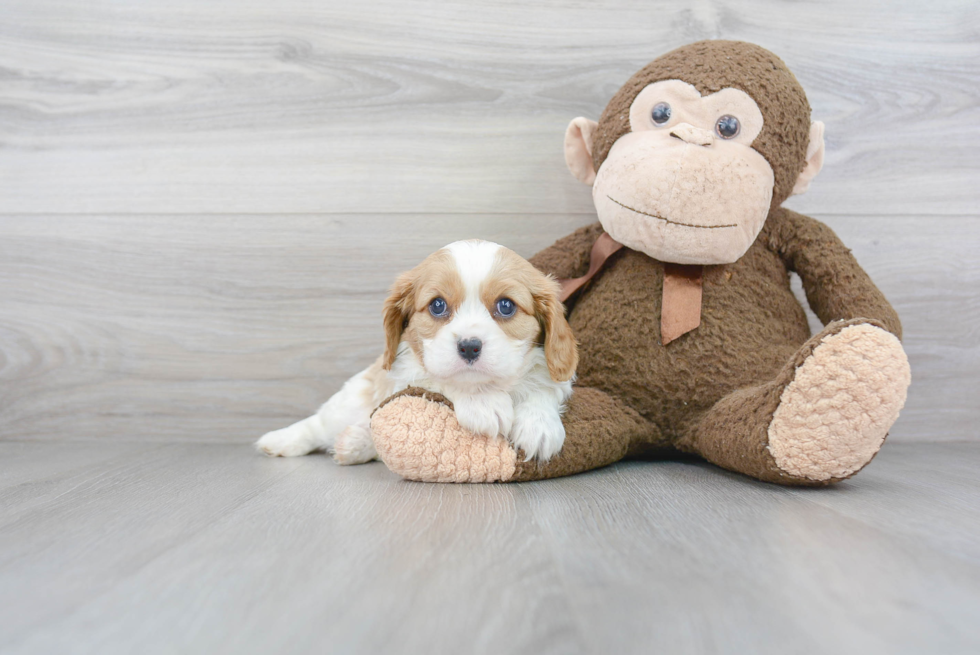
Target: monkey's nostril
[[469, 349], [692, 135]]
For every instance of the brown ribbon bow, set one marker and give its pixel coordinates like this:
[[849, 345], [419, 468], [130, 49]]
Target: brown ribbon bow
[[604, 248], [680, 309]]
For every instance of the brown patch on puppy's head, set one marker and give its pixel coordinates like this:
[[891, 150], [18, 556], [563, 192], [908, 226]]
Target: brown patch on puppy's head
[[711, 66], [435, 277], [539, 310]]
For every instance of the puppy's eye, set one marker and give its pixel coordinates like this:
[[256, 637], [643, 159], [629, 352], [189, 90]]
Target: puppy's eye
[[438, 308], [506, 307], [660, 113], [727, 127]]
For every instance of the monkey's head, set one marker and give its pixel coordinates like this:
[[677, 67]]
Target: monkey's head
[[690, 156]]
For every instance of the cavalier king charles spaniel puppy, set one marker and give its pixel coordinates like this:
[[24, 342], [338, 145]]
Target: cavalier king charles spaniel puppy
[[475, 322]]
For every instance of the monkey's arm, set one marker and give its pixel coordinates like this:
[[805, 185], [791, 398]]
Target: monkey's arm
[[569, 256], [836, 286]]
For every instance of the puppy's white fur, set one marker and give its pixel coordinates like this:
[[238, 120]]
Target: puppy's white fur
[[507, 391]]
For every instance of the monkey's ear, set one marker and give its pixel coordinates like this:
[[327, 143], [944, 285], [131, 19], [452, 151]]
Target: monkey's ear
[[578, 149], [814, 159]]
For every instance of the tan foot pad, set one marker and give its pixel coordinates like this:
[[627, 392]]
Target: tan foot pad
[[419, 439], [833, 417]]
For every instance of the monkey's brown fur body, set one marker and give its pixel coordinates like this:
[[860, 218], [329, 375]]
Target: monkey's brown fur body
[[749, 389], [752, 331]]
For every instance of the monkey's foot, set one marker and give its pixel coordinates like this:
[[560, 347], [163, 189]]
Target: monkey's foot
[[417, 436], [834, 415]]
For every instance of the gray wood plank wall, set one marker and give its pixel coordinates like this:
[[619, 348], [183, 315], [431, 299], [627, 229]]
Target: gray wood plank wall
[[202, 204]]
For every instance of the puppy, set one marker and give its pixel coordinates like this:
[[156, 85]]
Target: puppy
[[480, 325]]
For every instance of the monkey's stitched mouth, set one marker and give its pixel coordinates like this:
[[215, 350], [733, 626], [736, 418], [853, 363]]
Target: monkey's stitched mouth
[[667, 220]]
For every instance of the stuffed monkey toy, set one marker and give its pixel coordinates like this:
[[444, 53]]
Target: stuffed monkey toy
[[690, 338]]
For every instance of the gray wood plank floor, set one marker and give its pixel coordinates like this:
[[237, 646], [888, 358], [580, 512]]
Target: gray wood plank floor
[[210, 548], [203, 205]]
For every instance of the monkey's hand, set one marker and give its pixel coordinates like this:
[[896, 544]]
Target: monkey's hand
[[418, 436]]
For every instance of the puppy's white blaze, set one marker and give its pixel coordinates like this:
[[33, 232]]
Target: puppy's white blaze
[[474, 261]]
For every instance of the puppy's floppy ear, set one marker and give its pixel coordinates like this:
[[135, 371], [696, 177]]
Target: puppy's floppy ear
[[560, 348], [398, 308]]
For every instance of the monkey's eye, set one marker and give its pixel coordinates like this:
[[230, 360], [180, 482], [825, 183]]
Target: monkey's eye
[[727, 127], [660, 113], [438, 308], [506, 307]]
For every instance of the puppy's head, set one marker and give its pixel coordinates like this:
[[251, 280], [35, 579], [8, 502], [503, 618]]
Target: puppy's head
[[473, 311]]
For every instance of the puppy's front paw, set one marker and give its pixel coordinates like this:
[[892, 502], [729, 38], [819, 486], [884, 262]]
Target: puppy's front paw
[[354, 445], [537, 431], [287, 442], [489, 414]]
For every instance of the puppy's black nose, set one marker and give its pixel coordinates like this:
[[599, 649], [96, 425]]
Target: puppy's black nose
[[469, 349]]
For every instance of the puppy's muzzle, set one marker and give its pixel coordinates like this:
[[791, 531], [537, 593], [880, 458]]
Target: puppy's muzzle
[[469, 349]]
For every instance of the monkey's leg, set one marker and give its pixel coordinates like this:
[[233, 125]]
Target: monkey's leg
[[821, 420], [417, 436]]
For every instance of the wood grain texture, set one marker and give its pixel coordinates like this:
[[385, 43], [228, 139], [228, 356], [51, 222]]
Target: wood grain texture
[[202, 206], [202, 327], [435, 106], [211, 548], [222, 327], [203, 203]]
